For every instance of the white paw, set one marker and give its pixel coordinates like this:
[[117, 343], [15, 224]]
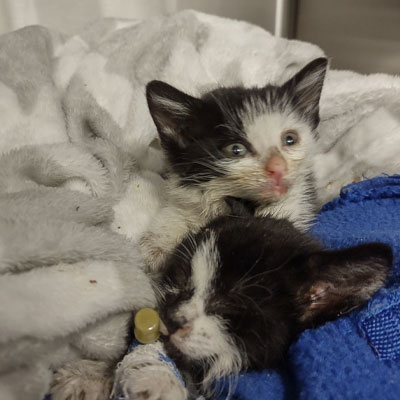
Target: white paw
[[147, 379], [151, 383], [82, 380]]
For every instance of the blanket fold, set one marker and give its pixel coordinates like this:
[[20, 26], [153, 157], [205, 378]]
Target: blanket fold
[[63, 272]]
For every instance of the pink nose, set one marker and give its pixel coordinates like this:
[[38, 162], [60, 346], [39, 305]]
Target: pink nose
[[276, 168], [184, 331]]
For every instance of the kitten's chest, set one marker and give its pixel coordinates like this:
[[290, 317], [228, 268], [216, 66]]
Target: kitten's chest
[[186, 212], [193, 209]]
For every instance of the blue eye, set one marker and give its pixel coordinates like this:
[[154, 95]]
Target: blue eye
[[290, 138], [236, 150]]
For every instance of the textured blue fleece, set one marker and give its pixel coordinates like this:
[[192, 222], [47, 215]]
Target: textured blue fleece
[[358, 356]]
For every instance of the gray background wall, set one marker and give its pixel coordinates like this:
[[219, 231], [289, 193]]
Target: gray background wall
[[361, 35]]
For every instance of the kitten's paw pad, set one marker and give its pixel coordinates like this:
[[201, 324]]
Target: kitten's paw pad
[[82, 380], [151, 382]]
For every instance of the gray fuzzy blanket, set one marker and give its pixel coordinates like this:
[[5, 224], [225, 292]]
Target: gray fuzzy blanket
[[76, 137], [63, 273]]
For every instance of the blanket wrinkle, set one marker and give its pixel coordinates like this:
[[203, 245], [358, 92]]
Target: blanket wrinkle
[[65, 277], [62, 204]]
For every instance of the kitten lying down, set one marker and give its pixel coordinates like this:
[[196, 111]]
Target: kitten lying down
[[236, 294]]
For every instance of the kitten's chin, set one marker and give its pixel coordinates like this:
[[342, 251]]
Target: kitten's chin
[[273, 193], [279, 190]]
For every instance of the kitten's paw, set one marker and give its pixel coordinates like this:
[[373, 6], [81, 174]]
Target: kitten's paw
[[141, 375], [82, 380], [151, 382]]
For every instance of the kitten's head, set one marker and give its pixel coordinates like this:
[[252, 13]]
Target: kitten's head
[[249, 143], [239, 292]]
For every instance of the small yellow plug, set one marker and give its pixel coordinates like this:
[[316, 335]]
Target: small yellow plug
[[147, 325]]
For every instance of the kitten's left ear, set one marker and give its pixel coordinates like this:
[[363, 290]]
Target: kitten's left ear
[[306, 87], [336, 282]]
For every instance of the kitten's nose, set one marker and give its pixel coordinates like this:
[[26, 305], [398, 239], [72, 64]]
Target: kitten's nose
[[276, 169], [183, 332]]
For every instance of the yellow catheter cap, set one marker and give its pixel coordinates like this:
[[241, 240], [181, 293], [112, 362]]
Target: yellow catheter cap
[[147, 325]]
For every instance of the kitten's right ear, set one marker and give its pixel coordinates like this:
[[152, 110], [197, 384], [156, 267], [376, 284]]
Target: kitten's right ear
[[172, 111]]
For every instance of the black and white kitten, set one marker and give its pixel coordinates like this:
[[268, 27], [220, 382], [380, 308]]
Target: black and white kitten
[[256, 144], [239, 292]]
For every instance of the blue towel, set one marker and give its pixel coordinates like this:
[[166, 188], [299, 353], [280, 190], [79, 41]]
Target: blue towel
[[357, 356]]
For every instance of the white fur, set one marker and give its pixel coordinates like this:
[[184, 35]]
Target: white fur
[[265, 129], [169, 105], [186, 210], [204, 336], [142, 375], [204, 267]]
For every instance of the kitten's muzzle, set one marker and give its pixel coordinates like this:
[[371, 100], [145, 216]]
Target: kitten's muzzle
[[169, 327], [175, 333], [182, 332], [276, 170]]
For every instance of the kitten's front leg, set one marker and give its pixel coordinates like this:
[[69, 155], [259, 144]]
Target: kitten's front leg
[[144, 375], [83, 380]]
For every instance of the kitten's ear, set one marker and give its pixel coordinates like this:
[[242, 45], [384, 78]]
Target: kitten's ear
[[340, 281], [172, 111], [306, 87]]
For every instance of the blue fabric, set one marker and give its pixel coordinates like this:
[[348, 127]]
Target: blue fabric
[[358, 356]]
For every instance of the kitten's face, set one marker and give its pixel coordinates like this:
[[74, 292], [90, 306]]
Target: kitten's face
[[239, 292], [249, 143]]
